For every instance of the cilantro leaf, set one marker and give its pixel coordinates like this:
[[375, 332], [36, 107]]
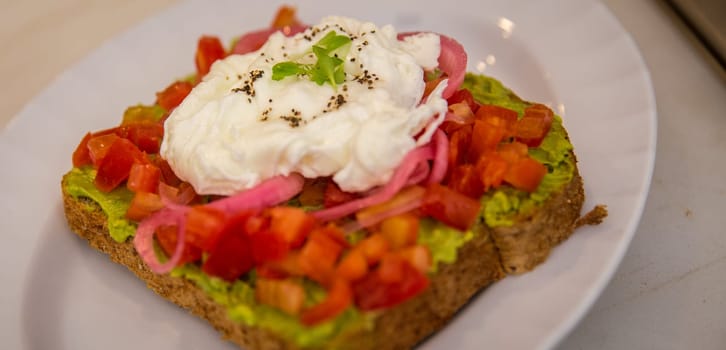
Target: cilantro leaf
[[286, 69], [328, 67]]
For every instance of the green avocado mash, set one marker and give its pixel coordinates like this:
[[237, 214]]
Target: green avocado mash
[[499, 208], [79, 183], [502, 207]]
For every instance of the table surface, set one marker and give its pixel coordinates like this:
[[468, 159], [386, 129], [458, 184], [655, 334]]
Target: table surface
[[670, 290]]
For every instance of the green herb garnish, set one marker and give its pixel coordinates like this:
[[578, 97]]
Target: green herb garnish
[[327, 68]]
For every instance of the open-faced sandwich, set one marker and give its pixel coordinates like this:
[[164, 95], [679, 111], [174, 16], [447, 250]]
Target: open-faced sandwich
[[338, 185]]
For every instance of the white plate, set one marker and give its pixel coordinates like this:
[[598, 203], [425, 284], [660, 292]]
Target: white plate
[[59, 294]]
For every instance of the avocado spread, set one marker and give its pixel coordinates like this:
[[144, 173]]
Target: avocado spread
[[499, 208], [503, 206]]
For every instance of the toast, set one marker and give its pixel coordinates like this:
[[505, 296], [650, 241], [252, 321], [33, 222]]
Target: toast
[[488, 187], [480, 262]]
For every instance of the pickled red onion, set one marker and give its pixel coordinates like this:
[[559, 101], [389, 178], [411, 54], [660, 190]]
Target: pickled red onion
[[252, 41], [452, 61], [144, 239], [441, 154], [270, 192]]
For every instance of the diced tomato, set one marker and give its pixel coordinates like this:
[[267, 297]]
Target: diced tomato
[[512, 151], [450, 207], [390, 269], [400, 230], [98, 147], [209, 50], [526, 174], [319, 255], [339, 297], [498, 116], [485, 137], [204, 227], [491, 168], [374, 247], [256, 224], [145, 135], [285, 295], [167, 238], [430, 86], [353, 266], [419, 256], [143, 204], [285, 17], [534, 125], [81, 156], [335, 196], [174, 94], [371, 293], [143, 178], [459, 143], [463, 95], [291, 224], [268, 246], [231, 257], [167, 174], [289, 266], [115, 166], [462, 110], [466, 180]]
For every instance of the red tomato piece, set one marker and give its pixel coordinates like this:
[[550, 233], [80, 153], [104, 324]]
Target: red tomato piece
[[401, 230], [450, 207], [534, 125], [143, 204], [173, 95], [371, 293], [115, 166], [353, 266], [143, 178], [491, 168], [268, 246], [418, 256], [204, 226], [231, 257], [459, 143], [526, 174], [465, 179], [463, 95], [335, 196], [98, 147], [285, 295], [373, 247], [209, 50], [498, 116], [340, 296], [167, 238], [291, 224], [390, 269], [145, 135], [319, 255], [81, 156], [289, 266], [167, 174], [485, 137], [513, 151]]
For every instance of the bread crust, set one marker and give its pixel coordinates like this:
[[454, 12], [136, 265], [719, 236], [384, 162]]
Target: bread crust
[[485, 259]]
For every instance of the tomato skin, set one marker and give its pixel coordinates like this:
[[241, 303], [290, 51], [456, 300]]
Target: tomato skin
[[450, 207], [372, 293], [143, 178], [401, 230], [463, 95], [81, 156], [459, 142], [526, 174], [268, 246], [485, 138], [465, 180], [167, 238], [534, 125], [291, 224], [340, 296], [319, 255], [285, 295], [209, 50], [143, 204], [115, 166], [98, 147], [173, 95], [497, 116], [145, 135], [231, 257], [204, 227], [167, 174], [491, 168]]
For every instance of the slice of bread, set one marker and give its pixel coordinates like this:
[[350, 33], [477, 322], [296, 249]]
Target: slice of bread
[[485, 259]]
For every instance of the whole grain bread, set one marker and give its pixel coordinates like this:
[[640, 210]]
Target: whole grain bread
[[485, 259]]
